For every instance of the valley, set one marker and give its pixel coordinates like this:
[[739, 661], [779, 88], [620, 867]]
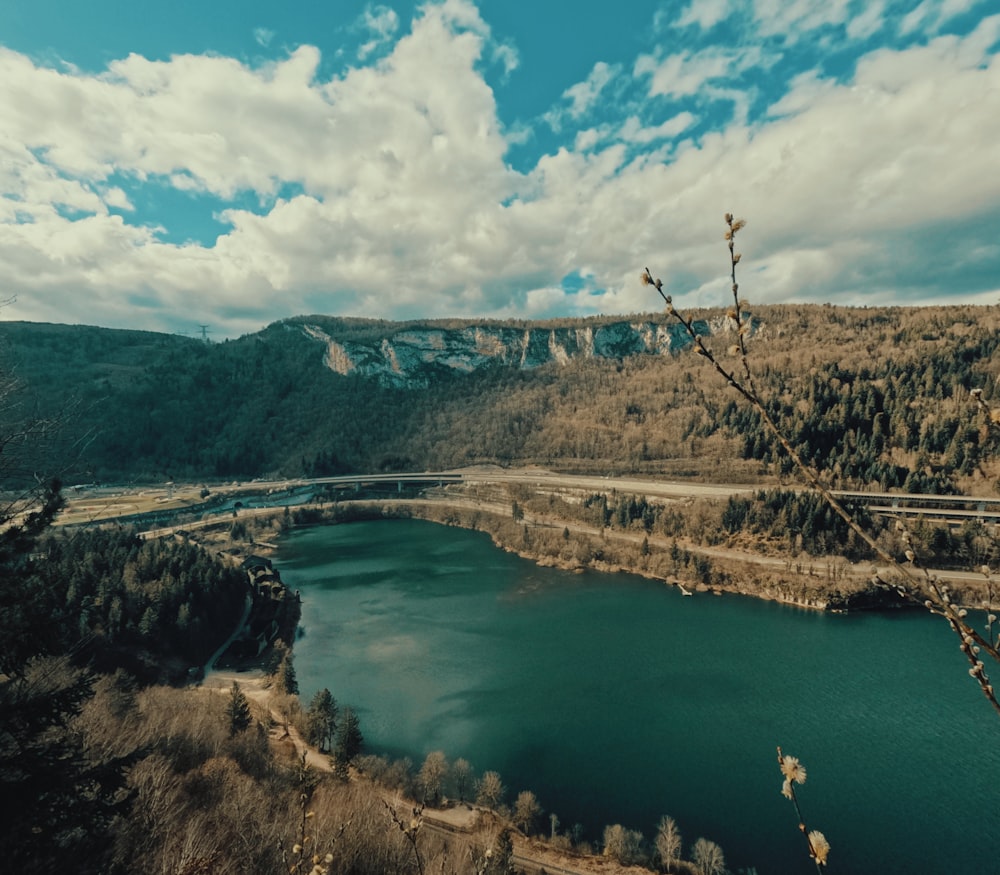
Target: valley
[[584, 446], [488, 497]]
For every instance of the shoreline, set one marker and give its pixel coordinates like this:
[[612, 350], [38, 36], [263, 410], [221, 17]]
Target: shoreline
[[821, 584], [522, 515], [827, 583]]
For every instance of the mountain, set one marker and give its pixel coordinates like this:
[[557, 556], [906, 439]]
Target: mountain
[[412, 356], [874, 395]]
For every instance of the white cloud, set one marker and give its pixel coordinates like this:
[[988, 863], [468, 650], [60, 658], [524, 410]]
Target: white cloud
[[538, 303], [805, 91], [406, 202], [115, 197], [584, 95], [632, 130], [869, 22], [953, 8], [976, 47], [588, 138], [381, 22], [395, 158], [705, 13], [932, 15], [792, 19], [830, 188], [916, 17], [263, 36], [507, 56], [688, 73]]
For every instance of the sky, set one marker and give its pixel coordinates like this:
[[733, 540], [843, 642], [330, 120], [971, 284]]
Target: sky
[[169, 166]]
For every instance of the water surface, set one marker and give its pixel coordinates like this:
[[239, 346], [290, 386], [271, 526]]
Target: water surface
[[617, 700]]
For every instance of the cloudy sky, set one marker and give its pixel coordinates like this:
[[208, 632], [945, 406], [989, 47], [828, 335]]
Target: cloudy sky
[[224, 163]]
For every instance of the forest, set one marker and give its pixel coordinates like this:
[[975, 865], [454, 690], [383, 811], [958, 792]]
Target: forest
[[108, 756], [111, 760], [880, 397]]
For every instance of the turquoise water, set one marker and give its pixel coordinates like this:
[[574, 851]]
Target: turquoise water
[[617, 700]]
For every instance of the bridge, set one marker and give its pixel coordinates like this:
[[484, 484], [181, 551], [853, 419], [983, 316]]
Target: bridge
[[955, 509], [357, 481]]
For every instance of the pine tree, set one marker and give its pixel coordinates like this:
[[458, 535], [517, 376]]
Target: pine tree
[[349, 742], [238, 711], [321, 720], [286, 672]]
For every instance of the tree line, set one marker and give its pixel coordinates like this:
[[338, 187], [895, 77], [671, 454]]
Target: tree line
[[157, 605]]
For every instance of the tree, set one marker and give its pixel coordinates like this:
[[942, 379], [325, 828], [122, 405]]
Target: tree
[[286, 673], [349, 742], [29, 610], [29, 445], [461, 776], [708, 857], [498, 859], [526, 811], [238, 711], [321, 720], [908, 578], [57, 805], [621, 844], [668, 842], [432, 775], [491, 791]]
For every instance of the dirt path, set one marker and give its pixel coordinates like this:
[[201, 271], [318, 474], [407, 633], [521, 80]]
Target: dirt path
[[460, 820], [256, 687]]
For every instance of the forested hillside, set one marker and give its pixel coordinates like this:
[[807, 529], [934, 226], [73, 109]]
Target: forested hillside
[[108, 768], [878, 396]]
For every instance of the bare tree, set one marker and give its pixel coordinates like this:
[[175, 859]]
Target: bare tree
[[461, 776], [432, 776], [491, 791], [907, 577], [668, 842], [526, 811], [621, 844], [708, 857]]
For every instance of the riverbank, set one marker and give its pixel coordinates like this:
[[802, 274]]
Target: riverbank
[[617, 700], [450, 822], [824, 583]]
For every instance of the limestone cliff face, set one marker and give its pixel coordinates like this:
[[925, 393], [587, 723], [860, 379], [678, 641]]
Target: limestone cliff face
[[409, 358]]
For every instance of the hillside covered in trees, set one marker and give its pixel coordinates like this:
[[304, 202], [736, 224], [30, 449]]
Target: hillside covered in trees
[[880, 397], [110, 766]]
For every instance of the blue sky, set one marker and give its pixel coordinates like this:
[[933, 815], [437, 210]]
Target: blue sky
[[165, 166]]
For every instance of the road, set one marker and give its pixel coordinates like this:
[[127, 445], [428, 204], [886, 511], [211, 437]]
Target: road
[[535, 478], [629, 485], [247, 607], [107, 502]]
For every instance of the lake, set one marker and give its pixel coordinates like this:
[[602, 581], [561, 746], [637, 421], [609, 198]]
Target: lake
[[617, 700]]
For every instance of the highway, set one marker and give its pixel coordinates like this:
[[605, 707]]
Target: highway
[[152, 503]]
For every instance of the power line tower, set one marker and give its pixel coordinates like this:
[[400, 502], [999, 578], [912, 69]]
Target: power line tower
[[204, 332]]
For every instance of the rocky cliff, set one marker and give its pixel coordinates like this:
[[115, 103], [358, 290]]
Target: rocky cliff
[[410, 357]]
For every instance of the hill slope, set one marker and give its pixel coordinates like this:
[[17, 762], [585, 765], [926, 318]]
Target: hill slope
[[875, 395]]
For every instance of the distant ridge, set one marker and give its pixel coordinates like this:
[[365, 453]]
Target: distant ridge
[[880, 397], [410, 356]]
